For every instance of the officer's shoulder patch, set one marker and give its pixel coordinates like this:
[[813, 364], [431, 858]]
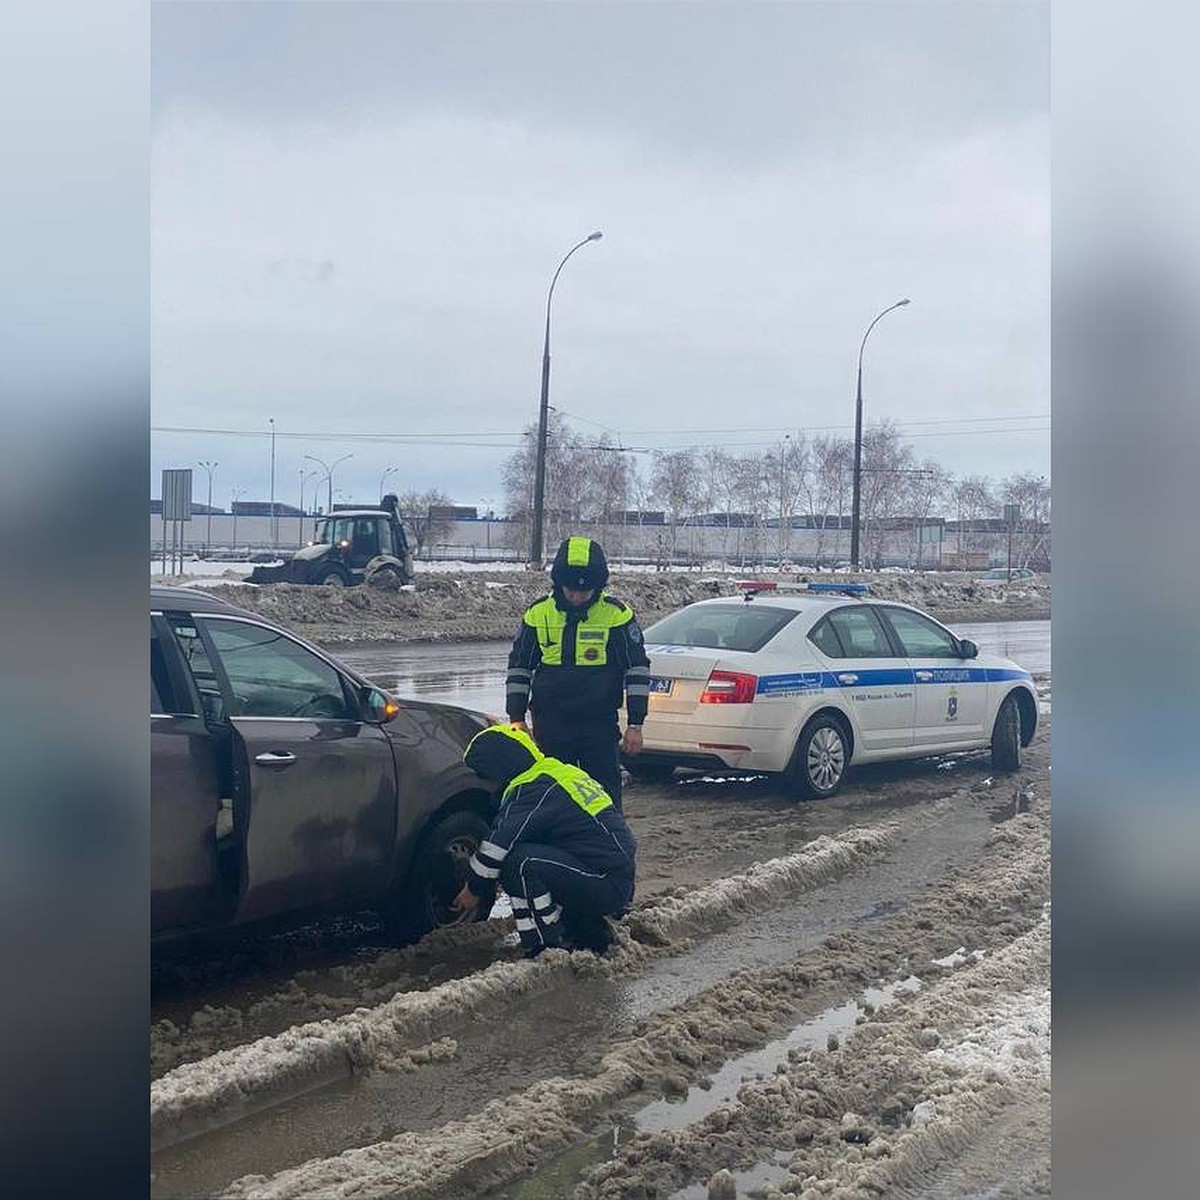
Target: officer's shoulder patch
[[619, 605]]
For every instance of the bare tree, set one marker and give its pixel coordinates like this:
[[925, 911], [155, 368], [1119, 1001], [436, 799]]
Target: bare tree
[[975, 504], [1031, 540], [887, 461], [674, 481], [928, 488], [428, 517], [828, 485]]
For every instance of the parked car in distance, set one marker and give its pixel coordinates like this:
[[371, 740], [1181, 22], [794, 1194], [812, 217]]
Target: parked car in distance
[[802, 680], [283, 784], [1004, 575]]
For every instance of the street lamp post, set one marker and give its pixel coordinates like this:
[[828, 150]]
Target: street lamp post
[[329, 469], [209, 468], [383, 479], [305, 476], [858, 414], [539, 487], [236, 495], [274, 530]]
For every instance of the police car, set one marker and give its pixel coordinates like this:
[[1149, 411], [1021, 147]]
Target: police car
[[805, 679]]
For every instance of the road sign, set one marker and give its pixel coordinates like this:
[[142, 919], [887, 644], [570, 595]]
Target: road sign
[[177, 495], [1012, 514]]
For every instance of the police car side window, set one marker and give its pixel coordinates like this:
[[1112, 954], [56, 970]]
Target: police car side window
[[920, 637], [825, 638], [860, 633]]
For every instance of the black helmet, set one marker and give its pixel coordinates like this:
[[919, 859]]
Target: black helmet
[[580, 563]]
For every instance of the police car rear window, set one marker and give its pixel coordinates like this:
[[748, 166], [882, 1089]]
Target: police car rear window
[[721, 626]]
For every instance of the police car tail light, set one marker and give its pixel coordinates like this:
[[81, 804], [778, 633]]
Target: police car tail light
[[729, 687]]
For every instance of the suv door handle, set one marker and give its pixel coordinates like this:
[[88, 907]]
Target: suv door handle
[[924, 674], [847, 678], [274, 758]]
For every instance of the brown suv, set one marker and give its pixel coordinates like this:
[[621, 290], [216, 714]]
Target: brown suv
[[283, 784]]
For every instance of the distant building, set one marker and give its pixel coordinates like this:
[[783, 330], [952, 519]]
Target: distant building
[[198, 510], [262, 508]]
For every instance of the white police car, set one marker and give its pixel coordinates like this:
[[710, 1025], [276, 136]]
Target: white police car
[[805, 679]]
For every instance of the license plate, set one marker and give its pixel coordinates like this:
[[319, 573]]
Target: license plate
[[660, 686]]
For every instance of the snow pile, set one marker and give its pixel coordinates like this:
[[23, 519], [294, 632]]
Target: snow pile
[[483, 604]]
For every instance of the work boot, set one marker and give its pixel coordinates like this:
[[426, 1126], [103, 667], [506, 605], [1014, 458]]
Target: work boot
[[589, 932]]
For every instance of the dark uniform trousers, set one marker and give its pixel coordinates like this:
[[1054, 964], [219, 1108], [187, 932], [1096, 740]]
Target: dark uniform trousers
[[555, 898], [592, 745]]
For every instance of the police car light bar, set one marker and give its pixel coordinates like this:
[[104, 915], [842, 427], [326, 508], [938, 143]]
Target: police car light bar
[[751, 588]]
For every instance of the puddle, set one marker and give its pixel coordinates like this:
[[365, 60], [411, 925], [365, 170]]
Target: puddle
[[723, 1087], [560, 1177], [758, 1176]]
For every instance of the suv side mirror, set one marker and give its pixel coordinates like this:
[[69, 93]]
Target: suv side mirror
[[380, 707], [967, 649]]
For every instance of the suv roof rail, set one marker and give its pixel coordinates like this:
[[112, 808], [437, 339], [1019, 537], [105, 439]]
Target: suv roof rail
[[751, 588]]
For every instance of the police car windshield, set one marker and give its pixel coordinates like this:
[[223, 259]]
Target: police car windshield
[[738, 626]]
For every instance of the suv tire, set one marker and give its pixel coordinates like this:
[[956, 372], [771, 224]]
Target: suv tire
[[421, 901], [822, 755], [1006, 737]]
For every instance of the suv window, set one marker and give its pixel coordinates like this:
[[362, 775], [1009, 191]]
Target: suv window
[[859, 633], [195, 657], [721, 626], [162, 695], [272, 676], [919, 636]]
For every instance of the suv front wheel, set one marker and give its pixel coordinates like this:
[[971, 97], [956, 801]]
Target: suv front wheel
[[424, 899]]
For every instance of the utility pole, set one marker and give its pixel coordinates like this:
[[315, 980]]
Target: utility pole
[[1012, 514], [236, 495], [274, 527], [209, 467]]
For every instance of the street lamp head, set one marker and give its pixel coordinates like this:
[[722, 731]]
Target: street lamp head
[[902, 303], [595, 237]]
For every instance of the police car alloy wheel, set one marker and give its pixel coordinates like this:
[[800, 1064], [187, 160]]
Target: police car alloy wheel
[[821, 757]]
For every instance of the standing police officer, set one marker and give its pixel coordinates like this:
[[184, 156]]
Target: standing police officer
[[577, 650]]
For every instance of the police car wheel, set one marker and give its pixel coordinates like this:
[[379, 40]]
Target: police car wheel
[[822, 755], [1006, 737], [648, 771]]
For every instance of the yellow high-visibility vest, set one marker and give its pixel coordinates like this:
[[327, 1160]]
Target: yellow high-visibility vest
[[591, 634]]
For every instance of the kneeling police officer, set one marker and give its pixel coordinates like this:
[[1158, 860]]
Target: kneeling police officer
[[576, 652], [559, 846]]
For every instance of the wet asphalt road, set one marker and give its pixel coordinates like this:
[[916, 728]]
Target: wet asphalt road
[[472, 673]]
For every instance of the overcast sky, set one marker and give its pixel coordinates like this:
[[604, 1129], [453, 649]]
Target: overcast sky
[[357, 210]]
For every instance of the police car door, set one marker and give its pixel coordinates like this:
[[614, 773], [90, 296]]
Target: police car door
[[872, 679], [951, 692]]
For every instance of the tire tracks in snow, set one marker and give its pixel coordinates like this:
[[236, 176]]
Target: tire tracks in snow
[[510, 1137], [204, 1095]]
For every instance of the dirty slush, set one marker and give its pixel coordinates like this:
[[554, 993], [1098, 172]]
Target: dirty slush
[[844, 998]]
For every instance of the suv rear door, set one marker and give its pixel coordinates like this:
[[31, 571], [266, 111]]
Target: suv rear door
[[318, 786], [185, 796]]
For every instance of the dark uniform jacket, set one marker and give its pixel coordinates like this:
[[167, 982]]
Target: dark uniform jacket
[[574, 664], [550, 803]]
